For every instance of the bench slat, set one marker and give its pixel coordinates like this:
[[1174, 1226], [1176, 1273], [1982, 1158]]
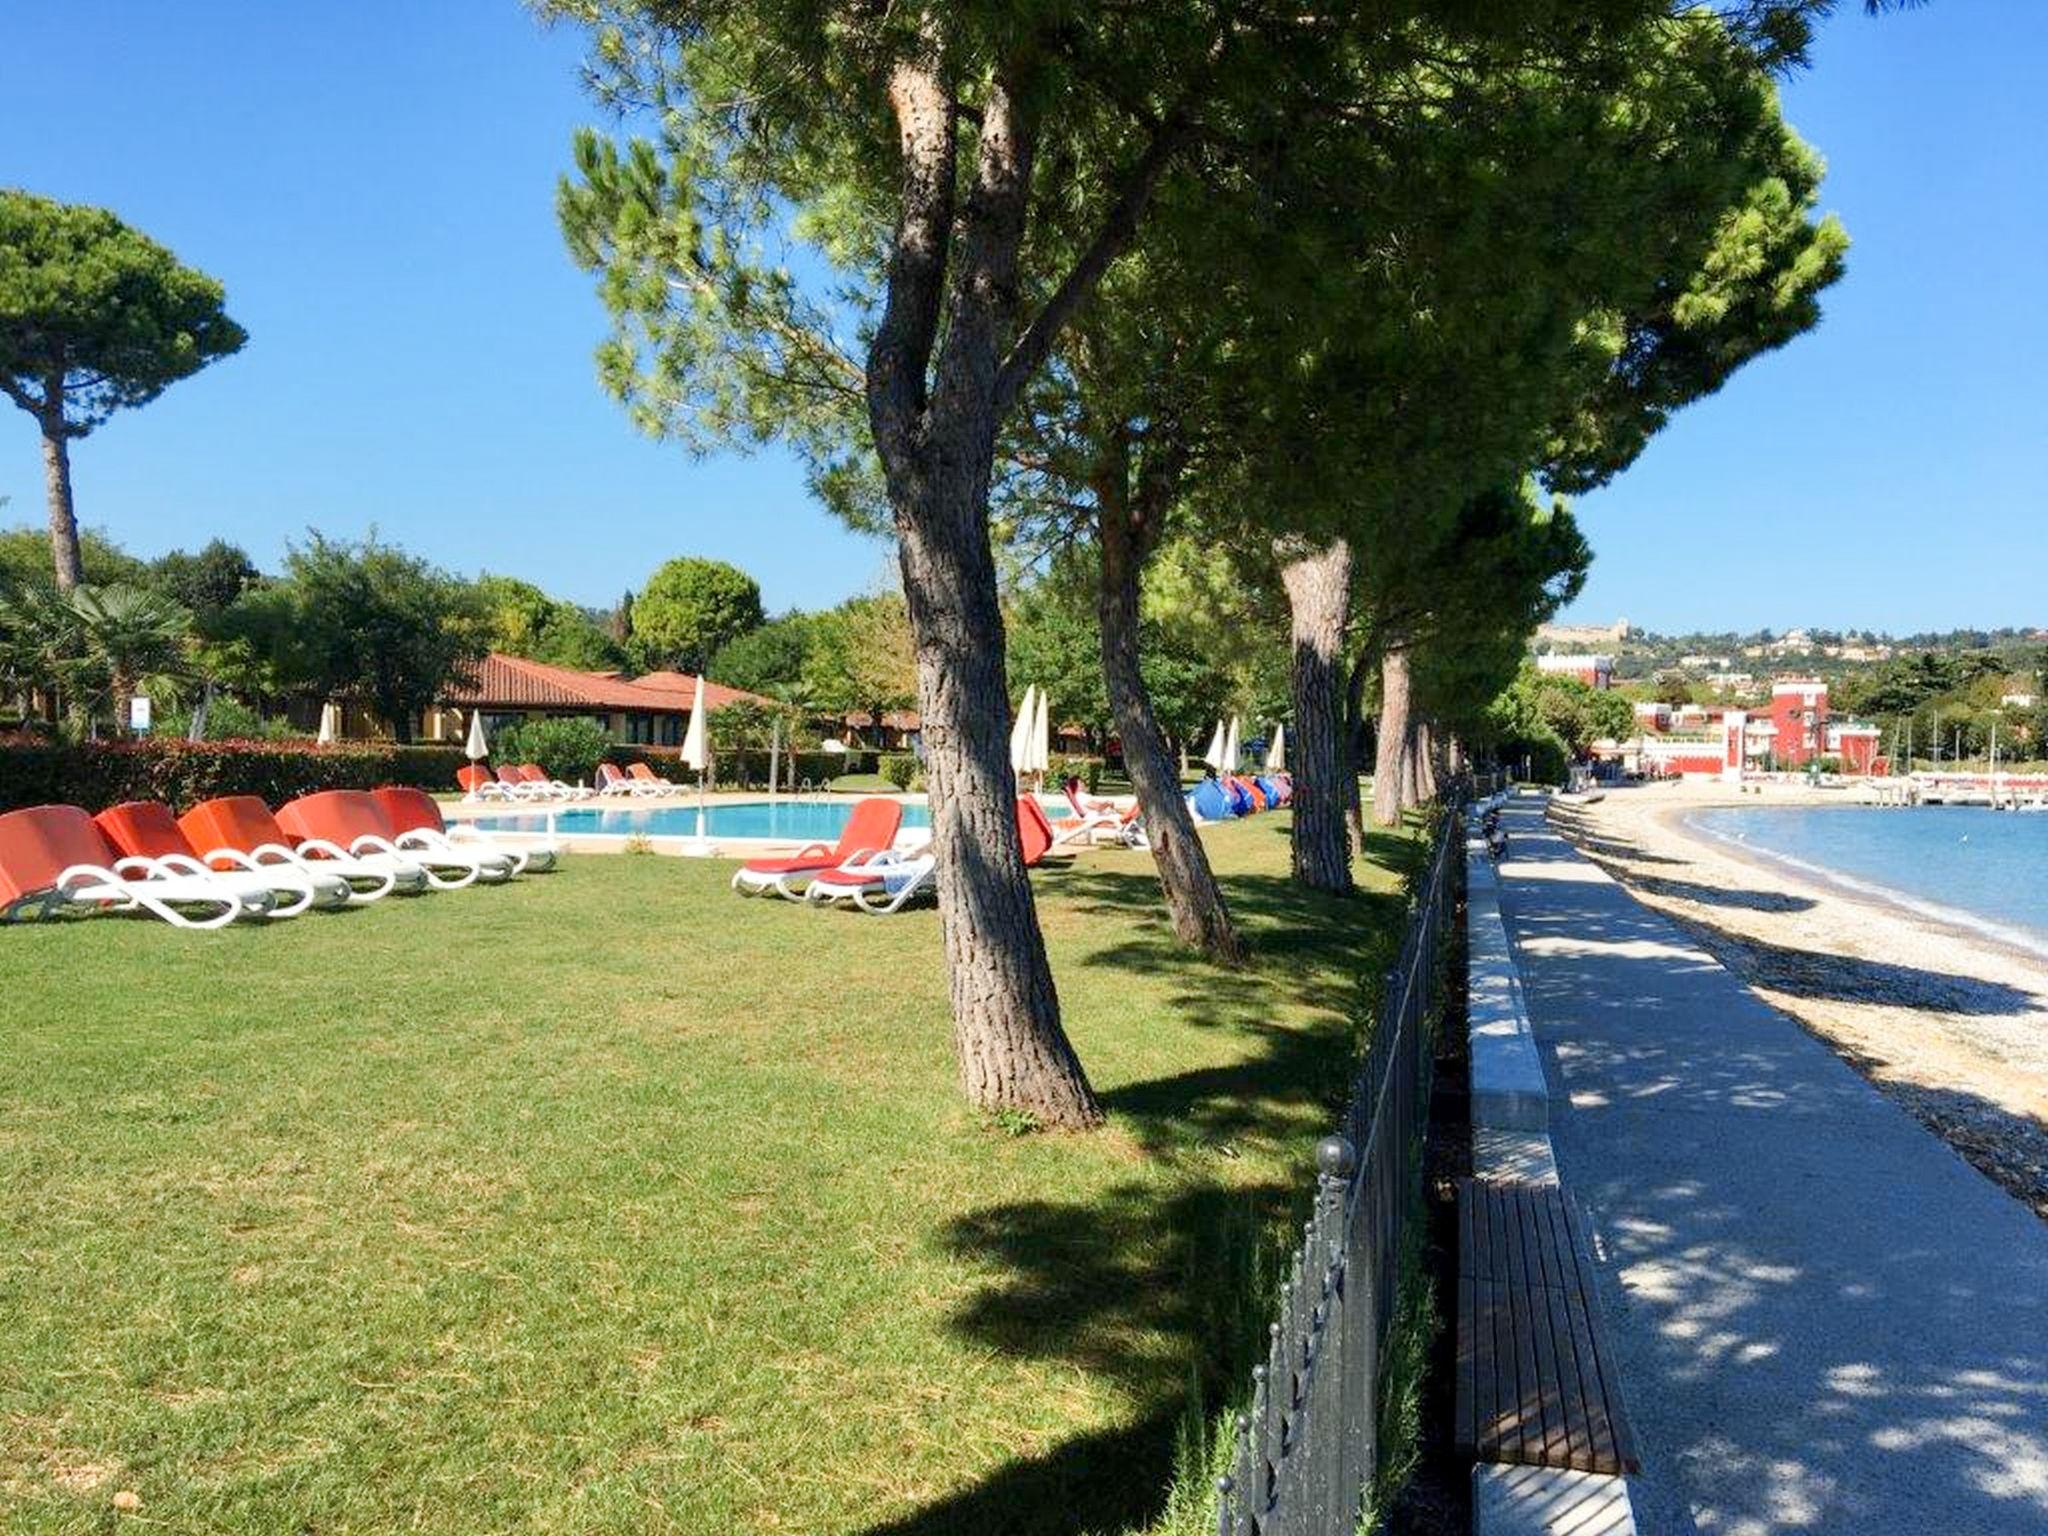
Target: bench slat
[[1533, 1387]]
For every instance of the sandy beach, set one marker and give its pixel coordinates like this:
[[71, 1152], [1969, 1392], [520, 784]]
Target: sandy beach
[[1951, 1024]]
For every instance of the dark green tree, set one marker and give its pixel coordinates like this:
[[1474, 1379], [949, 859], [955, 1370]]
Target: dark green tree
[[95, 317], [766, 659], [369, 622], [522, 620], [688, 609], [205, 584]]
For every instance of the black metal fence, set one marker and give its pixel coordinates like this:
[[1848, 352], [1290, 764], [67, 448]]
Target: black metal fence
[[1307, 1449]]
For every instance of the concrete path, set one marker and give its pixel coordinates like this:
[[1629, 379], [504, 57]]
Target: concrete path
[[1826, 1320]]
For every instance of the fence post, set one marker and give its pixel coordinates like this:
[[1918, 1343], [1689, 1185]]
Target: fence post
[[1336, 1161]]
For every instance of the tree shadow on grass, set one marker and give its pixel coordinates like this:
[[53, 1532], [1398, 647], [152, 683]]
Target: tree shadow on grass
[[1161, 1288], [1106, 1481], [1158, 1291]]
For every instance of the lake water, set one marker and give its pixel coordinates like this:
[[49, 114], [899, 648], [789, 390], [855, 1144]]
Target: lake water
[[1968, 865]]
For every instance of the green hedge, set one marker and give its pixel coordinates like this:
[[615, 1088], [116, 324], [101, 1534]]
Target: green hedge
[[99, 774], [748, 768]]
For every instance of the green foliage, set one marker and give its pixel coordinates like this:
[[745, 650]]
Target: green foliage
[[522, 620], [205, 584], [98, 774], [107, 312], [688, 609], [368, 621], [745, 723], [765, 660], [899, 768], [860, 657], [227, 719], [95, 646], [569, 749], [25, 560]]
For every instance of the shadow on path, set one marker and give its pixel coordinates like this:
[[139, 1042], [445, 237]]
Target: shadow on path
[[1826, 1321]]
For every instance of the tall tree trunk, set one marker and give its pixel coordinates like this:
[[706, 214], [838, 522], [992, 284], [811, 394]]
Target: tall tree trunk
[[1355, 742], [1425, 763], [1200, 915], [1393, 743], [57, 481], [1318, 584], [946, 362], [1006, 1017]]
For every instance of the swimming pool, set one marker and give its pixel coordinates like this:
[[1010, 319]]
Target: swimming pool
[[796, 821]]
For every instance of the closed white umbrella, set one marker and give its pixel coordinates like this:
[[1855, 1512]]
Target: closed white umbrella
[[1041, 736], [479, 746], [1230, 747], [1214, 756], [1020, 731], [330, 725], [1276, 754], [697, 755]]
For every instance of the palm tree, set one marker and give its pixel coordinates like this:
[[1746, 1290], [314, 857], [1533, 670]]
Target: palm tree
[[38, 641], [128, 639]]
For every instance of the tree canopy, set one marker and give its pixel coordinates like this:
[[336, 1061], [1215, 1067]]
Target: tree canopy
[[689, 608], [95, 317]]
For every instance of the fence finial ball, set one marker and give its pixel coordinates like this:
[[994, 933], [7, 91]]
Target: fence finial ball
[[1335, 1157]]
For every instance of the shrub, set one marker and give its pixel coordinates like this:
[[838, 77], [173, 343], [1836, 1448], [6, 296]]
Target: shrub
[[899, 768], [748, 767], [228, 719], [99, 774], [1064, 765], [566, 749]]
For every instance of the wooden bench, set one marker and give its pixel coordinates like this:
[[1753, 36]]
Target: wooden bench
[[1533, 1386]]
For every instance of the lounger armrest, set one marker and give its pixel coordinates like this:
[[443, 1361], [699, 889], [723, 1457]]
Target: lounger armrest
[[320, 848], [79, 874]]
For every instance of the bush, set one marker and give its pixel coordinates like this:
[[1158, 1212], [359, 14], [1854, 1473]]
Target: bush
[[228, 719], [99, 774], [1063, 766], [565, 749], [747, 768], [899, 768]]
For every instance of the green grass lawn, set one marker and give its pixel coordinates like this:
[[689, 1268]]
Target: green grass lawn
[[609, 1202]]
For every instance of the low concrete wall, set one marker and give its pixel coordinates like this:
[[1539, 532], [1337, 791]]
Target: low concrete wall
[[1508, 1091]]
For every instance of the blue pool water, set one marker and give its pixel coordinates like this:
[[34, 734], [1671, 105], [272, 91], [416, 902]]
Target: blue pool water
[[1982, 868], [795, 820], [785, 820]]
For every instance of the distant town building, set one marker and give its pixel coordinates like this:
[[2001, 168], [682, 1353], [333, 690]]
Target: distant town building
[[1731, 682], [1799, 720], [1595, 671], [1855, 747], [2016, 701], [1583, 636]]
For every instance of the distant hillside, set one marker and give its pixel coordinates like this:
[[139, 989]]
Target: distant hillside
[[1641, 654]]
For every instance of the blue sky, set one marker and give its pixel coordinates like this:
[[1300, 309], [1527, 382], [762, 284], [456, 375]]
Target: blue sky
[[374, 184]]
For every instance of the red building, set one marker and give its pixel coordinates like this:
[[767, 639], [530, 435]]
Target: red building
[[1856, 747], [1799, 721], [1593, 671]]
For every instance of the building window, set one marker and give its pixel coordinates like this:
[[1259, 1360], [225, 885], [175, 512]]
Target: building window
[[671, 730]]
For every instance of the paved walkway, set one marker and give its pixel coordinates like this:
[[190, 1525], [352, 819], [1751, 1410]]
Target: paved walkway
[[1827, 1322]]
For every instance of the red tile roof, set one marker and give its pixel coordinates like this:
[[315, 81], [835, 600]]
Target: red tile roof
[[892, 719], [519, 683]]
